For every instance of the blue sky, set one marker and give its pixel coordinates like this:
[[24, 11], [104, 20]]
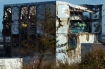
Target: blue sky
[[2, 2]]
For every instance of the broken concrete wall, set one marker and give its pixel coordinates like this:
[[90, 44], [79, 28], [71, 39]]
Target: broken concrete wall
[[62, 26], [65, 52], [74, 54], [68, 46]]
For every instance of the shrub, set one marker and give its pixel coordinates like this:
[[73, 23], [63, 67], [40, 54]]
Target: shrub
[[94, 59]]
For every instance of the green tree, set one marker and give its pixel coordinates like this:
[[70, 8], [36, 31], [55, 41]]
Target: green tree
[[44, 42]]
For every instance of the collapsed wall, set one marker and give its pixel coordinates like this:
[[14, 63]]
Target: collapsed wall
[[74, 27]]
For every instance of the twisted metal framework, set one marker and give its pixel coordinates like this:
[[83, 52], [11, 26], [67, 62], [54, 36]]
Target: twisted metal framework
[[22, 22]]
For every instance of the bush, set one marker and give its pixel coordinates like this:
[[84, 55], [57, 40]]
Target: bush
[[94, 59]]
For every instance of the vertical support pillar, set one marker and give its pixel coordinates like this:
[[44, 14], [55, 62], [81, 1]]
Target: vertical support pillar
[[4, 44], [19, 27], [100, 17], [90, 24], [28, 25]]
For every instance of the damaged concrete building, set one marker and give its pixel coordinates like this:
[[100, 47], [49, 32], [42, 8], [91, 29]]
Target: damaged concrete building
[[74, 24]]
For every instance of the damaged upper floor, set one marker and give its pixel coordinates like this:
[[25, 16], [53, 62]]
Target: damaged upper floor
[[79, 18]]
